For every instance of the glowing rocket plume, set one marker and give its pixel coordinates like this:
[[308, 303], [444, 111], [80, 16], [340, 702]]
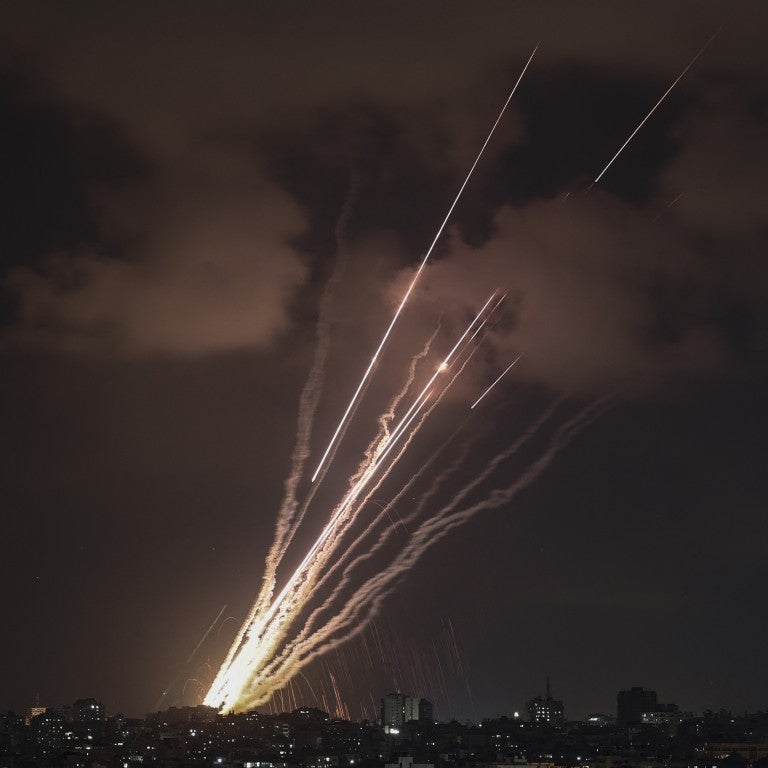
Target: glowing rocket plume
[[366, 601], [273, 670], [514, 448], [653, 109], [501, 376], [259, 639], [287, 519], [310, 395], [343, 558], [408, 292]]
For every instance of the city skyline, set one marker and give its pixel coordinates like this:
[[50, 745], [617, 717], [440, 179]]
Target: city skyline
[[309, 738], [631, 707]]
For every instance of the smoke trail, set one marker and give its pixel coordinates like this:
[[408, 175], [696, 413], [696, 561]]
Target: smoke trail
[[308, 403], [386, 418], [295, 654], [379, 442], [387, 533], [366, 602], [262, 637], [413, 282], [310, 396]]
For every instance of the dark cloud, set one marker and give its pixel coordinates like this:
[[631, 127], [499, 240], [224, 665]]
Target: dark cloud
[[217, 274], [600, 293], [718, 178]]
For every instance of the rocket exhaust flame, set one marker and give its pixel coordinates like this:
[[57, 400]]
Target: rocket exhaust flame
[[424, 261], [503, 374], [365, 603], [265, 627], [653, 109]]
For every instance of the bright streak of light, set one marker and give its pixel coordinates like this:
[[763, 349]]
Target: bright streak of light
[[207, 632], [261, 633], [389, 443], [404, 300], [258, 640], [654, 108], [445, 364], [365, 602], [501, 376]]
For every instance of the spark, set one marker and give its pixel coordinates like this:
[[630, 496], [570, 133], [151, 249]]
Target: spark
[[654, 108], [420, 269], [501, 376]]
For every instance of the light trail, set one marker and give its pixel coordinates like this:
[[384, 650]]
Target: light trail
[[387, 533], [513, 449], [446, 363], [388, 444], [365, 603], [287, 518], [503, 374], [264, 630], [308, 639], [207, 632], [420, 269], [653, 109], [261, 635], [192, 655]]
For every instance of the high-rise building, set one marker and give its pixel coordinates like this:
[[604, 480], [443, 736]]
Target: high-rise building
[[410, 709], [631, 704], [397, 709], [393, 710], [47, 729], [87, 711], [35, 710], [426, 711], [546, 710]]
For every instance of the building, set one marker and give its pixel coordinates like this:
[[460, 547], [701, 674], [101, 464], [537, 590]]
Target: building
[[600, 719], [87, 711], [407, 762], [631, 704], [639, 706], [34, 712], [397, 709], [426, 711], [546, 710], [393, 711], [663, 717], [47, 731]]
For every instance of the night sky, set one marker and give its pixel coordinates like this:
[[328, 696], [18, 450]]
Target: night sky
[[180, 185]]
